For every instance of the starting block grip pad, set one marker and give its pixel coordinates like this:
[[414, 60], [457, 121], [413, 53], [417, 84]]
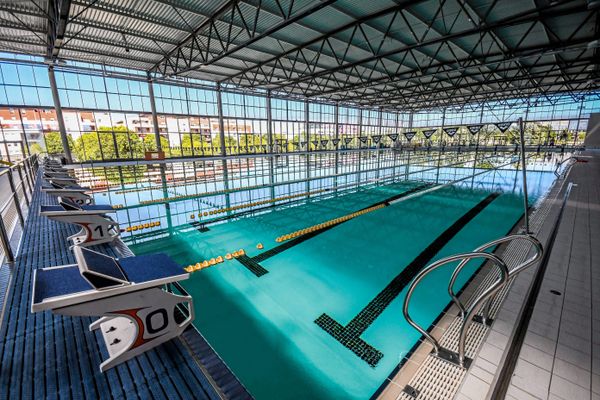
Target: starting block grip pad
[[58, 281], [66, 280]]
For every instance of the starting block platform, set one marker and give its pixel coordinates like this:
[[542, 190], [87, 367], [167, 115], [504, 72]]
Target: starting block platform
[[136, 313], [49, 355], [60, 178], [74, 192], [96, 226]]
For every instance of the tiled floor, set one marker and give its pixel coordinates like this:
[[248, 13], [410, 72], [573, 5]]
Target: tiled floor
[[560, 356]]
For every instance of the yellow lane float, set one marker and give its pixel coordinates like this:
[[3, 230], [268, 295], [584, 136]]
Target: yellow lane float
[[147, 225], [326, 224]]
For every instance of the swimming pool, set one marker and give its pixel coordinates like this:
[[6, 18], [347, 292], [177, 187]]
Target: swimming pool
[[320, 316]]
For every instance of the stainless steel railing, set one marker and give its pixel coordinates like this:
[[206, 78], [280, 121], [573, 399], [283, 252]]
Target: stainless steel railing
[[17, 183], [560, 164], [485, 297]]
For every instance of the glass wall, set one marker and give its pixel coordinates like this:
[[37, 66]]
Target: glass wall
[[107, 114]]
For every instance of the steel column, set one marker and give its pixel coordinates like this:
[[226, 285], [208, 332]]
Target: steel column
[[336, 117], [222, 139], [307, 129], [524, 173], [270, 146], [59, 115], [154, 115]]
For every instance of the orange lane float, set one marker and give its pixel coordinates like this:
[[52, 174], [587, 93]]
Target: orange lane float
[[214, 261]]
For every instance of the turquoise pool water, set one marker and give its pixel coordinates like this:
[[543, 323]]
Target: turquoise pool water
[[264, 326]]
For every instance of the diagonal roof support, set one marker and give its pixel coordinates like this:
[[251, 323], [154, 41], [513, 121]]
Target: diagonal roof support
[[521, 18], [186, 60]]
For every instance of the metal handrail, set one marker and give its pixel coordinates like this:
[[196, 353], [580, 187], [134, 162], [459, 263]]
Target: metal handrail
[[30, 163], [562, 162], [467, 314], [512, 272], [463, 256]]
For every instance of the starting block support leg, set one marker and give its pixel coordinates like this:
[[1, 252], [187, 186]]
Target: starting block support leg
[[135, 322]]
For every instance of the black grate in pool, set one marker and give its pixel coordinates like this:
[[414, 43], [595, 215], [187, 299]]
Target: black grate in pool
[[252, 265], [349, 335]]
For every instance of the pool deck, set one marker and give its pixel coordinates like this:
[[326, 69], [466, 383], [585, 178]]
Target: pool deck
[[44, 355], [560, 355]]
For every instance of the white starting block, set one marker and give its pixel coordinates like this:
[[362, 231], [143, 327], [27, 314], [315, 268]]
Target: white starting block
[[96, 226], [136, 313], [56, 170], [75, 193], [52, 164], [59, 178]]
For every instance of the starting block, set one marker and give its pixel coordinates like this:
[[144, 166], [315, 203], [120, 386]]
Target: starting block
[[96, 226], [75, 193], [136, 313], [52, 164], [59, 178]]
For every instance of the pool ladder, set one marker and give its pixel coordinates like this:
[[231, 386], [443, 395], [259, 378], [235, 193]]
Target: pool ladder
[[573, 159], [485, 299]]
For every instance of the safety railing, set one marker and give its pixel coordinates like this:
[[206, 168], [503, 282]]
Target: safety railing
[[563, 162], [484, 299], [17, 183]]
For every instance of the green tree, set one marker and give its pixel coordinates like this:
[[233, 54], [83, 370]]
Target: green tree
[[198, 143], [150, 143], [100, 144], [54, 143]]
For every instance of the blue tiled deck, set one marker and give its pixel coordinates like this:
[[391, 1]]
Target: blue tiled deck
[[51, 356]]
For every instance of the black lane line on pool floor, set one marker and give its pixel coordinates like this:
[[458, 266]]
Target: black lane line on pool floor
[[200, 226], [349, 335], [252, 263]]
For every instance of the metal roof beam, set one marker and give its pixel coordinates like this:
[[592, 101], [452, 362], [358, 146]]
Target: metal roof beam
[[434, 93], [321, 39], [525, 91], [517, 19], [473, 75], [254, 37]]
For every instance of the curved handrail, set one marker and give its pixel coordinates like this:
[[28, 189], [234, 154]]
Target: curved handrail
[[515, 271], [562, 162], [463, 256], [468, 318]]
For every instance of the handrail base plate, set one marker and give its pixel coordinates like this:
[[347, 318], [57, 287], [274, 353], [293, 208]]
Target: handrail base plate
[[452, 357], [479, 319]]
